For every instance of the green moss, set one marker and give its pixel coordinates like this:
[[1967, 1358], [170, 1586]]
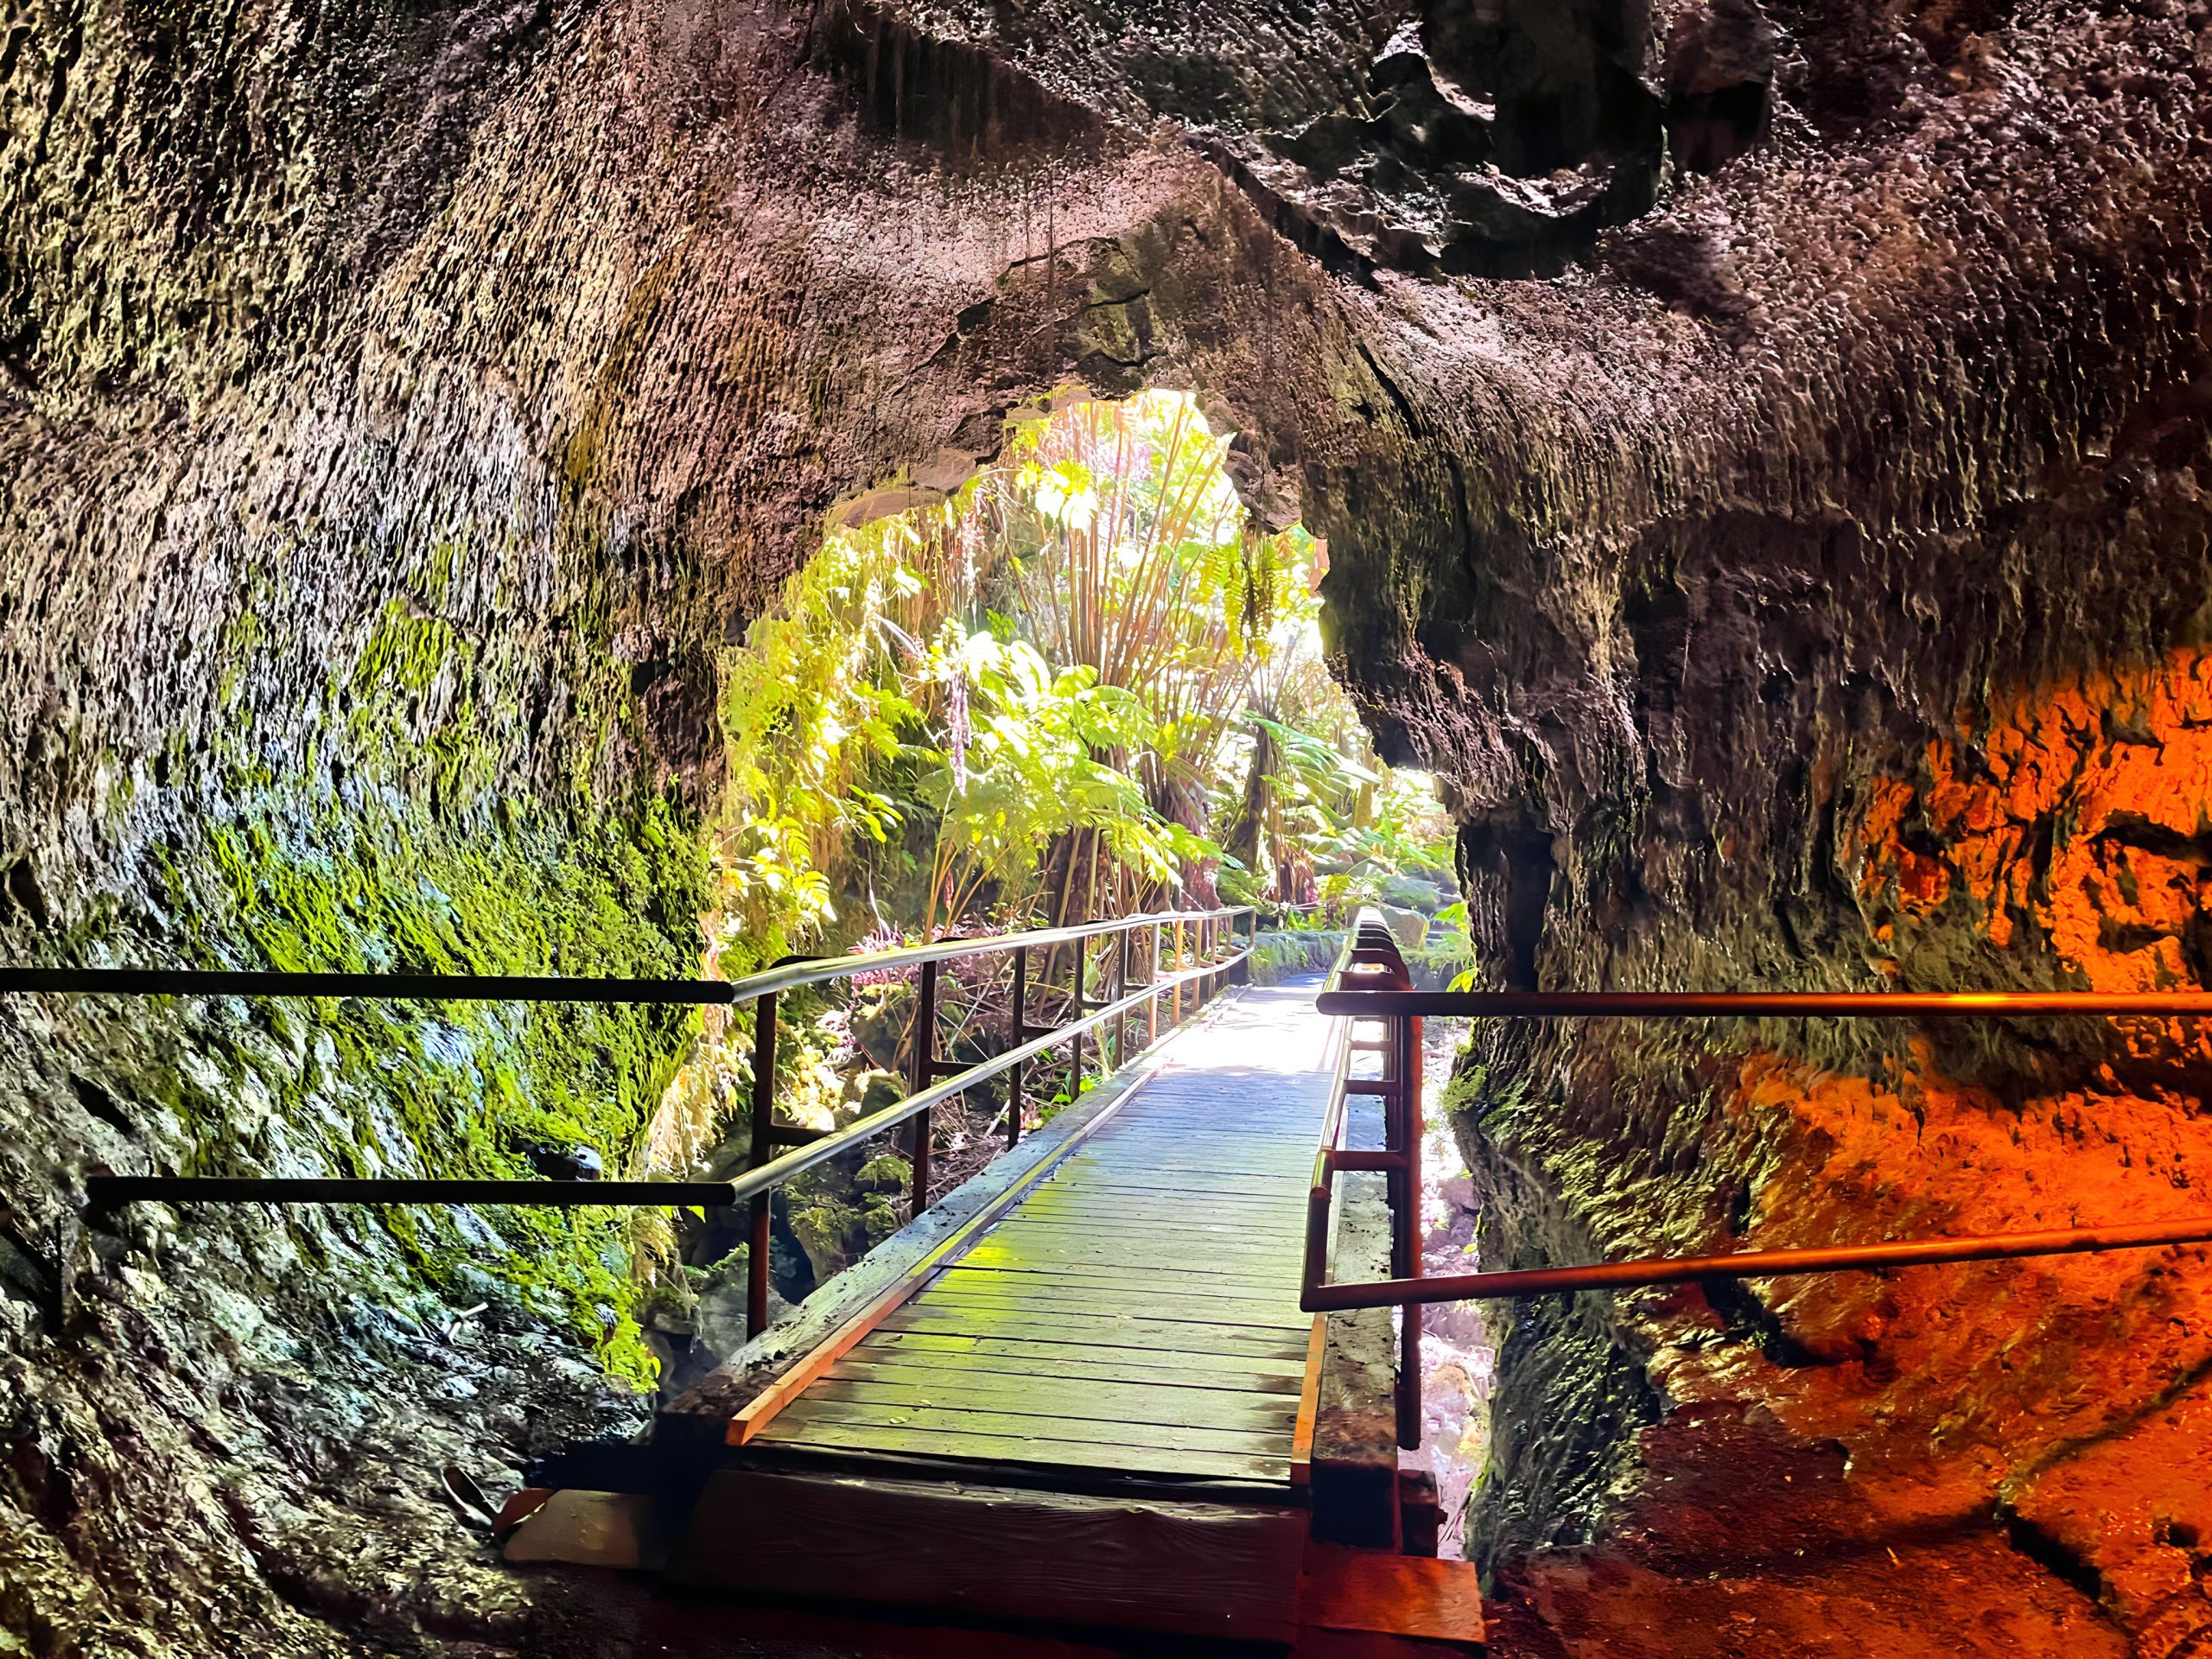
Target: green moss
[[887, 1171], [464, 1087], [431, 862], [406, 650]]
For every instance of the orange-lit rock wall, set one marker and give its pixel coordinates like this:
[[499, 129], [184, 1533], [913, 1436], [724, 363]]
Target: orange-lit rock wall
[[1880, 1424]]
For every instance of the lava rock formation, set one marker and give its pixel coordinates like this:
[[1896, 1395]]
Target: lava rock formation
[[1761, 447]]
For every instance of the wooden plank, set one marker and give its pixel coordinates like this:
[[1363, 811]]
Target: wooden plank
[[1049, 1278], [1264, 1280], [1051, 1282], [1056, 1399], [1004, 1315], [923, 1347], [763, 1407], [1144, 1176], [1135, 1220], [1261, 1144], [1205, 1569], [1180, 1222], [1133, 1226], [1156, 1235], [1264, 1305], [1212, 1147], [1066, 1297], [1099, 1397], [1157, 1462], [1175, 1209], [1220, 1147], [1271, 1136], [1199, 1203], [1237, 1169], [1219, 1242], [1251, 1159], [800, 1422], [1114, 1331], [1237, 1172], [1390, 1594], [1129, 1188], [1048, 1284], [922, 1364], [1139, 1250]]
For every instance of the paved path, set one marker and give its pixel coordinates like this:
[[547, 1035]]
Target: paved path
[[1135, 1314]]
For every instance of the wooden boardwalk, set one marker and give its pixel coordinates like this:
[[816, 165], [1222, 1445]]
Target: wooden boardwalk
[[1134, 1316]]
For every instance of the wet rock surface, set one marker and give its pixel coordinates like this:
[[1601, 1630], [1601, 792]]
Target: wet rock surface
[[1760, 449]]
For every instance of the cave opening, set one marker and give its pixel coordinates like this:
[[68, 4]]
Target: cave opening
[[1079, 684]]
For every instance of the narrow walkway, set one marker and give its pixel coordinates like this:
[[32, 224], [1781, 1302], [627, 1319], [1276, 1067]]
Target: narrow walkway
[[1135, 1315]]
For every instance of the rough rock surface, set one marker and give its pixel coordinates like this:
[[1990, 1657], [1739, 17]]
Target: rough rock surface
[[1759, 443]]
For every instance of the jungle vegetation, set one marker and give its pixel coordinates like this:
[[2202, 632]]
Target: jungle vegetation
[[1086, 685]]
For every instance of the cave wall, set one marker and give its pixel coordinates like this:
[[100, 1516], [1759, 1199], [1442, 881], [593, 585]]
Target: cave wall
[[403, 405], [1758, 447], [1848, 639]]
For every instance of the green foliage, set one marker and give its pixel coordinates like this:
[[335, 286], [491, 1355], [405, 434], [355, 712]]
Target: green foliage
[[811, 705], [1037, 765], [1083, 685]]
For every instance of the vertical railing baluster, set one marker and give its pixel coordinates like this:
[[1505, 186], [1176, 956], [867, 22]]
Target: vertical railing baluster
[[924, 1064], [1175, 996], [1017, 1034], [764, 1118], [1121, 990], [1076, 1048], [1152, 979]]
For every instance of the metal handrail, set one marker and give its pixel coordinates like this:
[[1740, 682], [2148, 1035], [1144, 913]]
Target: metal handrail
[[1371, 953], [547, 988], [105, 1191], [801, 1159], [1680, 1005], [932, 1081]]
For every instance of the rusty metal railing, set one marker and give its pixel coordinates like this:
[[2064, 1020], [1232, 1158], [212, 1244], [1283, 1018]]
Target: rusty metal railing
[[1187, 951], [1371, 963], [1369, 985]]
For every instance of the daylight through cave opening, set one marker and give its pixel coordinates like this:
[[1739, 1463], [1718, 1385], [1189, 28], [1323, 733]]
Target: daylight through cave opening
[[1079, 684]]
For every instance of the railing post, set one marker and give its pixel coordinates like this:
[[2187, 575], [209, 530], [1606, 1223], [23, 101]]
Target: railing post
[[1017, 1034], [1075, 1047], [924, 1062], [1121, 990], [1152, 1002], [764, 1119], [1175, 1005]]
